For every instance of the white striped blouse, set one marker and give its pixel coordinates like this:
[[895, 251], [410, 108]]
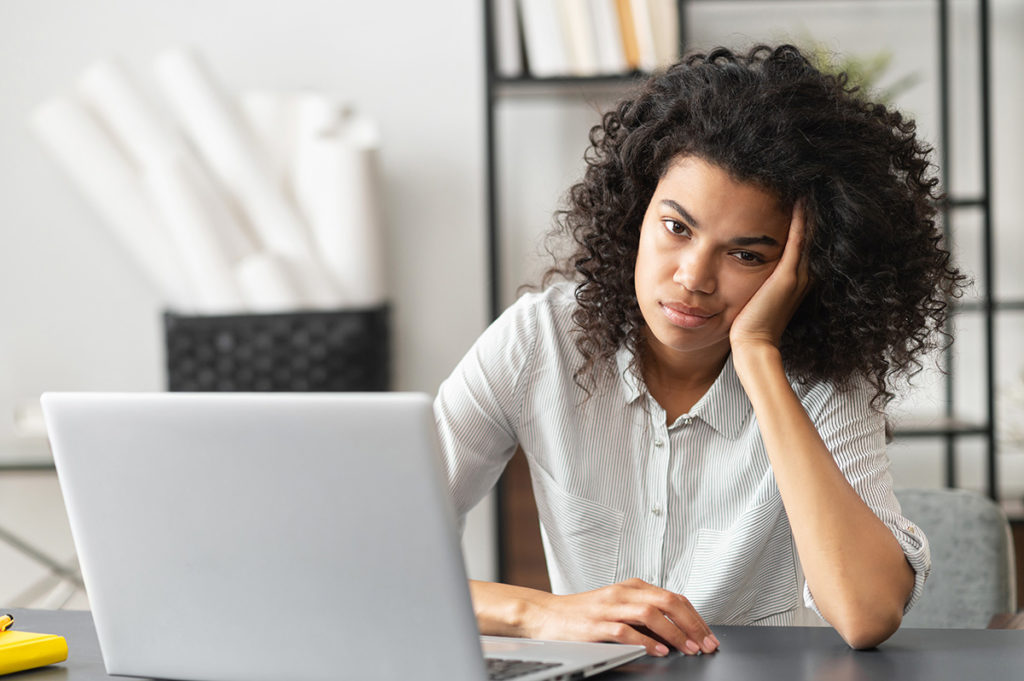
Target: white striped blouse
[[692, 507]]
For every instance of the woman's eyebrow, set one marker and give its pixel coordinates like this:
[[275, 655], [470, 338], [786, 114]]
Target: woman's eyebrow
[[755, 241], [764, 240], [683, 213]]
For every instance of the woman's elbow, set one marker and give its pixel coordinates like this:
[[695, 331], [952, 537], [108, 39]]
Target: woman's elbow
[[867, 630]]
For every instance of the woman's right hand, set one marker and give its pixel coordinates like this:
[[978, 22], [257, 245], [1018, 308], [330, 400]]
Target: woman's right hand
[[632, 612]]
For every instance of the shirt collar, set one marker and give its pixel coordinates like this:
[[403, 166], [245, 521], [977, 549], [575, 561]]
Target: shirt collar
[[725, 406]]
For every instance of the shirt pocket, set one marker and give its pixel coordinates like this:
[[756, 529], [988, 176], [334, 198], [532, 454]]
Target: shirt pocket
[[746, 572], [582, 537]]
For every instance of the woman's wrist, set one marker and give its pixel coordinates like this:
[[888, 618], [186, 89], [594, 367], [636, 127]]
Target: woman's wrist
[[751, 358], [506, 610]]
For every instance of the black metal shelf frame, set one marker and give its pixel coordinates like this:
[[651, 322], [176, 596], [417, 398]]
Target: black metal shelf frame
[[986, 302], [949, 428]]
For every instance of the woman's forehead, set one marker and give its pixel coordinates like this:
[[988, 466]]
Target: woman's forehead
[[714, 198]]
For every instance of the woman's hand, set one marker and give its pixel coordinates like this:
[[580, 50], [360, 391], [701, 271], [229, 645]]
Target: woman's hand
[[632, 612], [765, 316]]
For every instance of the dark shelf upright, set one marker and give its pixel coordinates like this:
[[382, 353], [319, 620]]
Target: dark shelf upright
[[988, 265], [946, 212], [491, 242], [983, 202], [490, 90]]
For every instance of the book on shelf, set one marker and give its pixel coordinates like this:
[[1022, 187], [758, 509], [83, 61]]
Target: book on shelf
[[579, 35], [627, 27], [508, 51], [664, 17], [643, 29], [607, 37], [546, 48], [584, 38]]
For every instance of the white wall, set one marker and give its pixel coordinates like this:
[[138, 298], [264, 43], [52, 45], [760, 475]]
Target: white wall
[[75, 312]]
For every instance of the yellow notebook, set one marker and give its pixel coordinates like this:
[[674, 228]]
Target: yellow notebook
[[20, 650]]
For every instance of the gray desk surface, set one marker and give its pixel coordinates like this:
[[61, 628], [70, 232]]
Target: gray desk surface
[[764, 653]]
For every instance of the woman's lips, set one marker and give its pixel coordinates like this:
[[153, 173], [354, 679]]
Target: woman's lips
[[686, 317]]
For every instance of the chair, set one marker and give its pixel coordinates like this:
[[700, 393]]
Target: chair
[[972, 578]]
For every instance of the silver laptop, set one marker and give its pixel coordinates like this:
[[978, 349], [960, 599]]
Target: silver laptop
[[242, 537]]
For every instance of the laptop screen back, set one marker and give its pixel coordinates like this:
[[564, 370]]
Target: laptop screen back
[[244, 536]]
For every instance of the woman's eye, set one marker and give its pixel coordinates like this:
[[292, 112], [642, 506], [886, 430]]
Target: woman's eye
[[749, 257], [675, 227]]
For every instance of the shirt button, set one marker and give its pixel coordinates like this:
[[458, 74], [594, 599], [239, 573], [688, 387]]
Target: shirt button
[[687, 420], [656, 510], [659, 443]]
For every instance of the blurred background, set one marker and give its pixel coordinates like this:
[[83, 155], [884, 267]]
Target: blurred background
[[79, 313]]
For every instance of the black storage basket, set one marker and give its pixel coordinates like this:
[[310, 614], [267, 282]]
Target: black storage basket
[[344, 350]]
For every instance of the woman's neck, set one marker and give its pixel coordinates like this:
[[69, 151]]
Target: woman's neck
[[678, 380]]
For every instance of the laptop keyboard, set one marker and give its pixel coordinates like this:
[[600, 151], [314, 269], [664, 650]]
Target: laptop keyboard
[[499, 669]]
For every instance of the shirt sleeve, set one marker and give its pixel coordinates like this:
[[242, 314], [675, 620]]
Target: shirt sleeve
[[477, 407], [855, 435]]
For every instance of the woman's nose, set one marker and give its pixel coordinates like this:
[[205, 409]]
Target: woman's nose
[[695, 271]]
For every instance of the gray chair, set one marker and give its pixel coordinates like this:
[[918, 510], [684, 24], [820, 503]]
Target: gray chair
[[973, 575]]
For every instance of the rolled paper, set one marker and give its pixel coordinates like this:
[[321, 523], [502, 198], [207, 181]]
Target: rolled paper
[[107, 88], [103, 174], [312, 115], [266, 284], [194, 218], [337, 187], [223, 137], [271, 117], [149, 138]]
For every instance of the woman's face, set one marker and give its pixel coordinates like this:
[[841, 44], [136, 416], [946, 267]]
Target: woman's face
[[707, 243]]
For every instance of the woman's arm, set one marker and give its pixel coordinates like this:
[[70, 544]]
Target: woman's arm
[[633, 612], [854, 566]]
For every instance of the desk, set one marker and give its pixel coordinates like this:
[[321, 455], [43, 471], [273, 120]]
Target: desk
[[767, 653]]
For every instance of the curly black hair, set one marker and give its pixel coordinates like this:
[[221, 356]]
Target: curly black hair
[[881, 279]]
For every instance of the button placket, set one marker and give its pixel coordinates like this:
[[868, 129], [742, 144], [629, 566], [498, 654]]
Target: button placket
[[657, 482]]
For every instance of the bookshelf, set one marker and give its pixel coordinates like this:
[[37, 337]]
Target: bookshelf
[[517, 524]]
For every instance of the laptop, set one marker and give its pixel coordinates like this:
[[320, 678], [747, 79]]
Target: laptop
[[249, 537]]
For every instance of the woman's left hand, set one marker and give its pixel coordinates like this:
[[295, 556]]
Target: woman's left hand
[[765, 316]]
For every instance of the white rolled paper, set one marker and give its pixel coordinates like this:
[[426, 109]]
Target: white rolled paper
[[110, 183], [271, 117], [151, 139], [337, 186], [108, 88], [194, 219], [266, 284], [229, 146]]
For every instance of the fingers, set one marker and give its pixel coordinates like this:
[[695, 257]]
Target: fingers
[[794, 258], [668, 617], [798, 220], [620, 632], [793, 251]]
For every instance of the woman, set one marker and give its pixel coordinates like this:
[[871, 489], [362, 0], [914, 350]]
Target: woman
[[701, 404]]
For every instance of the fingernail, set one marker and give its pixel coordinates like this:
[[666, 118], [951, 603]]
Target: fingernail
[[709, 644], [692, 647], [715, 639], [661, 650]]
